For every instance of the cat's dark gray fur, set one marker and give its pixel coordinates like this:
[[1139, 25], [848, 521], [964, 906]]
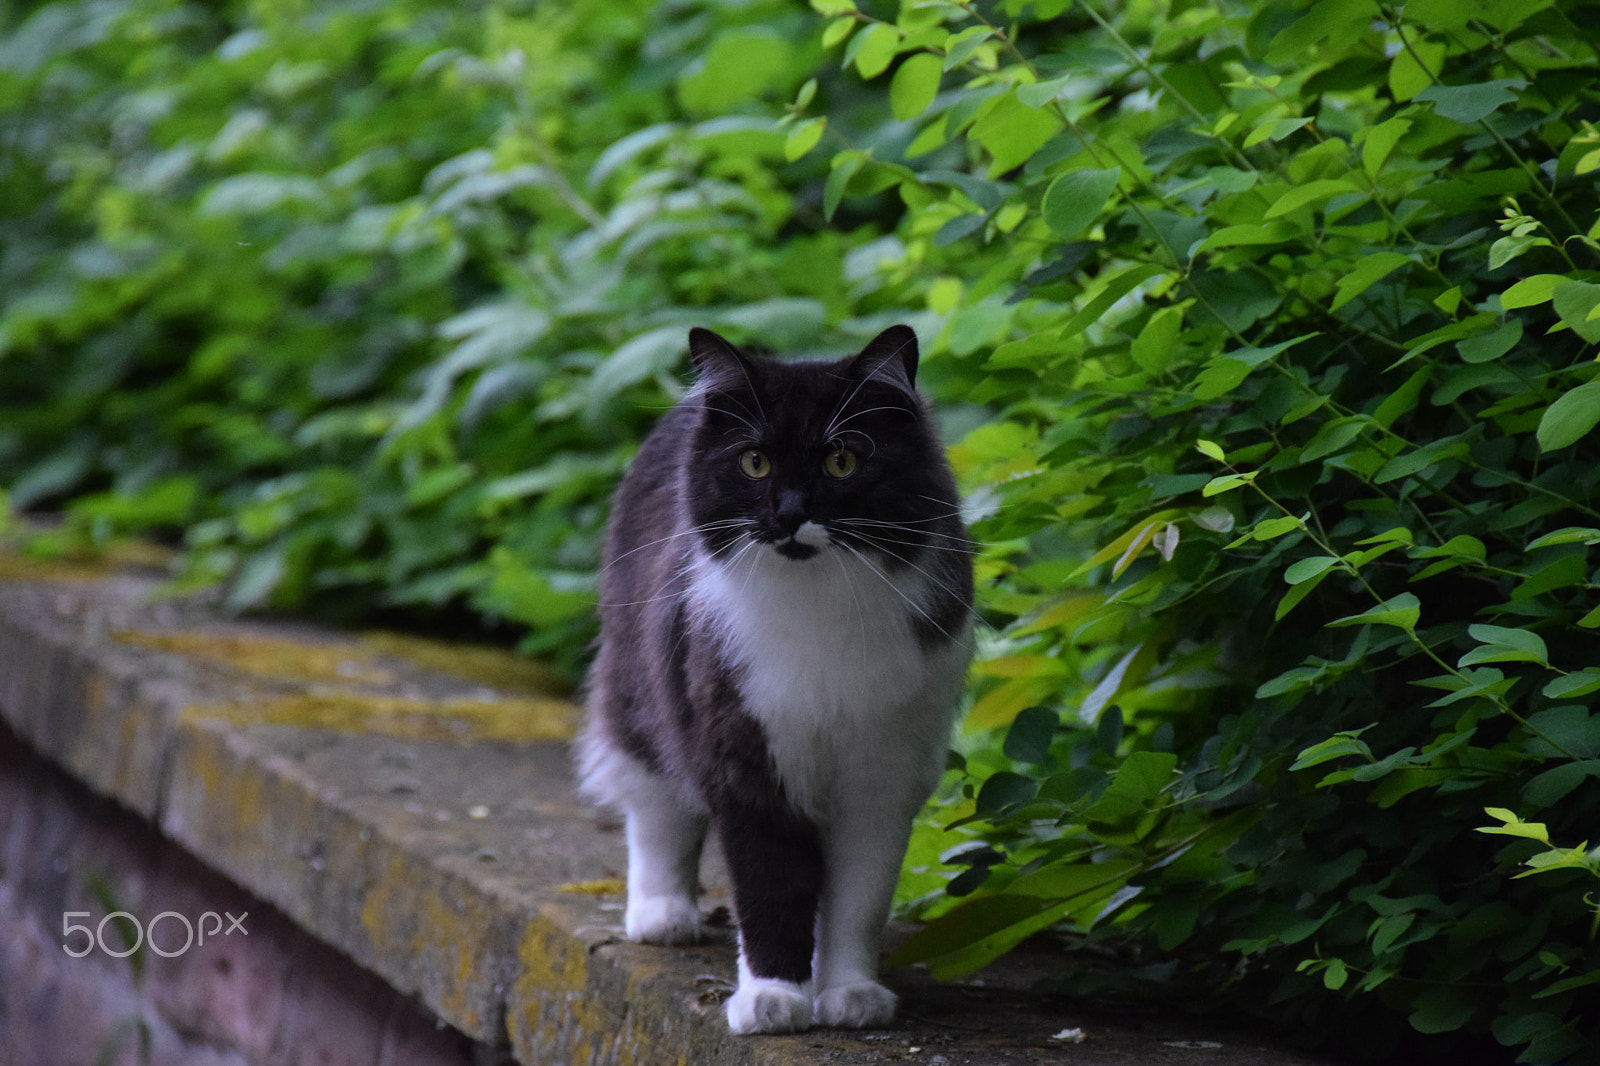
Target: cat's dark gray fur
[[784, 613]]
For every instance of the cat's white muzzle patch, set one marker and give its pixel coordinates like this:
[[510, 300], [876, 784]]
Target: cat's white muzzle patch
[[812, 535]]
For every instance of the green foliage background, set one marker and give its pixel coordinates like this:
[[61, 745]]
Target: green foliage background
[[1264, 334]]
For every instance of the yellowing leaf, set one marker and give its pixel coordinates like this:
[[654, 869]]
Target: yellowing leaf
[[1141, 532], [1000, 705]]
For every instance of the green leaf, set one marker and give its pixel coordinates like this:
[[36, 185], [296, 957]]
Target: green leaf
[[1227, 483], [838, 30], [1076, 198], [1570, 418], [1578, 683], [1107, 292], [1505, 645], [1299, 591], [1331, 437], [1210, 449], [1407, 464], [1415, 67], [966, 924], [1514, 827], [1028, 739], [1555, 784], [1442, 1010], [1041, 93], [1380, 141], [1225, 373], [915, 85], [1402, 612], [1144, 775], [1532, 291], [1273, 528], [803, 137], [1274, 130], [1472, 103], [1576, 302], [741, 64], [1365, 274], [844, 167], [1335, 747], [960, 47], [1306, 569], [1313, 192], [1300, 677], [1004, 790], [873, 49], [1567, 535], [1072, 882], [1490, 346], [1011, 132]]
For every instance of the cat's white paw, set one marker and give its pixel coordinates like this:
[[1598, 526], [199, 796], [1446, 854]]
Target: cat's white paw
[[768, 1005], [662, 920], [862, 1005]]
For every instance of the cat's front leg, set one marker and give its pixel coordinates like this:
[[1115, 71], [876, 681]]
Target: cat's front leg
[[664, 843], [864, 847], [775, 862]]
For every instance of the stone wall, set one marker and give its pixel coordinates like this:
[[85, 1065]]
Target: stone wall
[[257, 989]]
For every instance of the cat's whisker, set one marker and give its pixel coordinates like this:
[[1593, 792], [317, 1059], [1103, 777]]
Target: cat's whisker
[[879, 537], [883, 544], [1000, 505], [855, 605], [970, 610], [940, 517], [882, 363], [879, 545], [872, 445], [837, 426], [913, 604], [754, 392], [903, 527], [724, 411], [708, 527]]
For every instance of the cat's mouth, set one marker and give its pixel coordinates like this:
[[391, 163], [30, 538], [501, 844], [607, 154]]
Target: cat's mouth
[[794, 549], [806, 541]]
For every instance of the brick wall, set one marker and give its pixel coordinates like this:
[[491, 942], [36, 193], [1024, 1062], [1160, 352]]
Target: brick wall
[[256, 992]]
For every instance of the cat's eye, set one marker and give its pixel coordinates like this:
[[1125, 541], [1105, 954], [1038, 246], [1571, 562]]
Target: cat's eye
[[754, 464], [841, 462]]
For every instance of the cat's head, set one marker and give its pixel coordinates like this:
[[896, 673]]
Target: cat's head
[[806, 457]]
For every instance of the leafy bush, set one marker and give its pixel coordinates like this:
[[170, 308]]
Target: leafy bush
[[371, 302], [1291, 498], [1275, 323]]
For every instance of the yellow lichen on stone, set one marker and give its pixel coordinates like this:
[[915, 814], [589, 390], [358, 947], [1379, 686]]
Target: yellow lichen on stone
[[433, 930], [609, 887], [495, 667], [523, 719], [22, 568], [271, 657], [17, 565]]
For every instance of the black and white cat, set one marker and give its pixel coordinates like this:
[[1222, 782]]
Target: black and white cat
[[785, 630]]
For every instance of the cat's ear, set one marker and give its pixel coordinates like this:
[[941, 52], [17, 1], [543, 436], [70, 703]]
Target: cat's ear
[[718, 362], [889, 357]]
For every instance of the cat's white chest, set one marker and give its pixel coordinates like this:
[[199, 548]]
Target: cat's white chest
[[832, 668]]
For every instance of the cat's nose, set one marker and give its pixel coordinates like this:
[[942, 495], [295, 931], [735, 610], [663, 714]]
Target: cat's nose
[[790, 510]]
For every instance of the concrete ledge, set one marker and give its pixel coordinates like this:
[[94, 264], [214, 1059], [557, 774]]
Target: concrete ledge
[[410, 805]]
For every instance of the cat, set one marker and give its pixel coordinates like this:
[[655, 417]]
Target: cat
[[785, 609]]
